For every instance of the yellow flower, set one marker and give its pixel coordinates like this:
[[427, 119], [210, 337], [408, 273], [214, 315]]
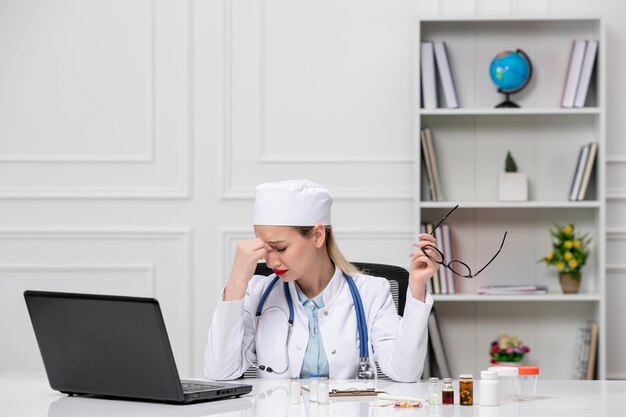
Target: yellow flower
[[560, 265], [568, 229], [550, 255], [567, 256], [577, 244], [572, 263], [568, 244]]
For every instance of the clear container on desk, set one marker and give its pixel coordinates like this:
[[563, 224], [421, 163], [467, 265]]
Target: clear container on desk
[[527, 381], [507, 375]]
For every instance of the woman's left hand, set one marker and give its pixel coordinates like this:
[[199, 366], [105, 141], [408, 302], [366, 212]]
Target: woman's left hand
[[422, 268]]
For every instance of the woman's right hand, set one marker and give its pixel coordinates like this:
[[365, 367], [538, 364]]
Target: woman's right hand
[[247, 254]]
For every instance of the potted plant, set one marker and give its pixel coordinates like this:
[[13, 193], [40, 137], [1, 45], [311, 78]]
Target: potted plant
[[569, 254], [507, 349], [512, 185]]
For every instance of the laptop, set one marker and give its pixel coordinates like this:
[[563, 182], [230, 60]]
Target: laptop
[[113, 346]]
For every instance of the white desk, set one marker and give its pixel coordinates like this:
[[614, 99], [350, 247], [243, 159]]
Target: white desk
[[32, 397]]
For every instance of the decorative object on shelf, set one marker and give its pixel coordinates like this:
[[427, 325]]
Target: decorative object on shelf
[[507, 349], [569, 254], [510, 71], [512, 185]]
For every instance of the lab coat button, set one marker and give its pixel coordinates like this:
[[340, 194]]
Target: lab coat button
[[333, 351], [325, 312], [298, 348]]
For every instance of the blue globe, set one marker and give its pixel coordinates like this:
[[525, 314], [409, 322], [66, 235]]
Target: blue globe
[[510, 71]]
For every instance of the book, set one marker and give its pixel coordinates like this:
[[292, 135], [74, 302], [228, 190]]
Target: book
[[433, 161], [585, 76], [589, 164], [439, 363], [513, 290], [580, 354], [445, 74], [593, 350], [429, 286], [426, 155], [577, 56], [443, 271], [447, 250], [435, 278], [429, 81], [578, 173]]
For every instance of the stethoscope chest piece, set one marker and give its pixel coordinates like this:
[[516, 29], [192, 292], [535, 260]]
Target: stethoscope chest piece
[[366, 370]]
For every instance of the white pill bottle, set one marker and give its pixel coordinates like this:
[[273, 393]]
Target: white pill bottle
[[489, 388]]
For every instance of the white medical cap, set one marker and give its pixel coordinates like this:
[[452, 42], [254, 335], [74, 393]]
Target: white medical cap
[[292, 203]]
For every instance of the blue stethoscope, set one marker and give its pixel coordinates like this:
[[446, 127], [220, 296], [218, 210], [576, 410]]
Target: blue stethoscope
[[366, 371]]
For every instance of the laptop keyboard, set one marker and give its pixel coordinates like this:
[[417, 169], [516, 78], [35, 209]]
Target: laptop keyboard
[[189, 387]]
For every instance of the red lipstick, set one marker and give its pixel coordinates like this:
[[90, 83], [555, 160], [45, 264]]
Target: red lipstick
[[280, 272]]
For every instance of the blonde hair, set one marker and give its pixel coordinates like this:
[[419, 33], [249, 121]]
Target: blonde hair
[[333, 250]]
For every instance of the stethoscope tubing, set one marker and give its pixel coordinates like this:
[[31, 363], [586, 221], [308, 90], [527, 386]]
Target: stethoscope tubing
[[358, 308]]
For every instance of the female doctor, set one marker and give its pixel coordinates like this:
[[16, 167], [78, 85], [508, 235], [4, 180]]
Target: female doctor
[[317, 314]]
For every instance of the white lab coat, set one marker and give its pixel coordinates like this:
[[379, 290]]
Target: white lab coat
[[397, 344]]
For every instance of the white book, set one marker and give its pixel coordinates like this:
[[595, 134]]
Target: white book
[[443, 280], [578, 174], [447, 250], [429, 83], [429, 286], [436, 342], [585, 76], [589, 162], [445, 75], [573, 73]]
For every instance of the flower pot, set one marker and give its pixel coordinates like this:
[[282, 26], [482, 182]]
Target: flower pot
[[508, 363], [570, 282], [513, 186]]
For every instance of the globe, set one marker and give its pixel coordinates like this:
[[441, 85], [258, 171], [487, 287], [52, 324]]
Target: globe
[[510, 71]]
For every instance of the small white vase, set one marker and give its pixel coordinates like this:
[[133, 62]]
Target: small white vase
[[513, 186]]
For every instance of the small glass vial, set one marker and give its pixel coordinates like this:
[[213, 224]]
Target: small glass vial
[[466, 389], [322, 388], [294, 391], [433, 391], [447, 392], [314, 388], [488, 388]]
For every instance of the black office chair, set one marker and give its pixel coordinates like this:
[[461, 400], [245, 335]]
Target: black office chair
[[398, 281], [398, 278]]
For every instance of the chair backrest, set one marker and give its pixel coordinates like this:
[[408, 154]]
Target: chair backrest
[[398, 280]]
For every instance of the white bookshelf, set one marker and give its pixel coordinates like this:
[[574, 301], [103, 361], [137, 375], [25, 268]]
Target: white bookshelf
[[471, 144]]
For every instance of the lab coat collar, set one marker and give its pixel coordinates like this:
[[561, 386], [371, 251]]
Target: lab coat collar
[[334, 286]]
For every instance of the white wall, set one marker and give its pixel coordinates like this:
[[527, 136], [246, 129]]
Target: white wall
[[132, 134]]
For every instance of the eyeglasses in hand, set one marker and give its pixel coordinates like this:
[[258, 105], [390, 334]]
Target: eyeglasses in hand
[[459, 268]]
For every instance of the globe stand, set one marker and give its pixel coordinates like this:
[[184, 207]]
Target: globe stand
[[506, 103]]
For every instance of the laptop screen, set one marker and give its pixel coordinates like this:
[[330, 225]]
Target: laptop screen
[[105, 345]]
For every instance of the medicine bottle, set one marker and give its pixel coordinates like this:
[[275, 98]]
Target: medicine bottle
[[507, 375], [447, 392], [294, 391], [322, 388], [433, 391], [488, 388], [466, 389], [314, 387], [527, 382]]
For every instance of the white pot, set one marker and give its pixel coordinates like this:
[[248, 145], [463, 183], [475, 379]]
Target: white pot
[[513, 186]]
